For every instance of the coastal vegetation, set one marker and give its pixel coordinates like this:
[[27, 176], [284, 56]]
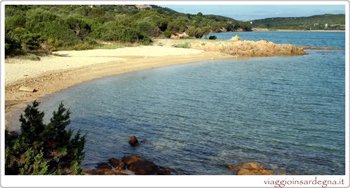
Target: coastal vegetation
[[44, 149], [316, 22], [41, 29]]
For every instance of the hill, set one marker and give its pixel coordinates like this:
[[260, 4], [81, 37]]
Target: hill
[[44, 28], [317, 22]]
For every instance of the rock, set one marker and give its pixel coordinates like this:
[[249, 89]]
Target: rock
[[131, 159], [116, 163], [143, 168], [27, 89], [232, 167], [130, 165], [163, 171], [93, 172], [252, 166], [103, 166], [140, 166], [244, 171], [251, 169], [125, 172], [133, 141], [110, 172]]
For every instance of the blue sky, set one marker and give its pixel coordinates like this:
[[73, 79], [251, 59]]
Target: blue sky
[[249, 12]]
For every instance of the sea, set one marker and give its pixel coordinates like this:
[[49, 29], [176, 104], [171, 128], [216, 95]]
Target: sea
[[287, 113]]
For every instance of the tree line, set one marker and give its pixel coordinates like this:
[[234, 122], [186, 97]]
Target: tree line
[[316, 22], [44, 28]]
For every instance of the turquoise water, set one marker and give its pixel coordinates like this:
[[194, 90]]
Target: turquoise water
[[286, 112]]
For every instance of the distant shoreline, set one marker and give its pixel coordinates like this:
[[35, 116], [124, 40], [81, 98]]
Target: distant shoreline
[[294, 30]]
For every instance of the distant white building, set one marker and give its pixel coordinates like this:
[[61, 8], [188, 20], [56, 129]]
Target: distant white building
[[141, 7]]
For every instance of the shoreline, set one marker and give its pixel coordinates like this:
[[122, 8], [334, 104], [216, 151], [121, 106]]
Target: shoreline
[[29, 80], [57, 80]]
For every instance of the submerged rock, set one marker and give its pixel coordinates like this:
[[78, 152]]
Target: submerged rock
[[133, 141]]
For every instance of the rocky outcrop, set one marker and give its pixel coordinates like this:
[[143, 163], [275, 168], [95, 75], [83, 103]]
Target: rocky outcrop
[[140, 166], [250, 169], [133, 141], [116, 163], [130, 165], [245, 48], [238, 47]]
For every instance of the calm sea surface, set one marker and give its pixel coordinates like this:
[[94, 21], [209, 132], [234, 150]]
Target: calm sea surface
[[285, 112]]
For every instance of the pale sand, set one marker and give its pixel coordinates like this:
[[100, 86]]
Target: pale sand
[[17, 69], [55, 73]]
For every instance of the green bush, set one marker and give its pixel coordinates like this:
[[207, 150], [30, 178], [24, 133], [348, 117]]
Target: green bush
[[197, 32], [79, 27], [167, 34], [43, 149], [12, 45], [148, 29]]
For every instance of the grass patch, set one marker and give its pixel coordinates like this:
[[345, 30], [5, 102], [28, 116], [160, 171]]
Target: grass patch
[[32, 57], [182, 45]]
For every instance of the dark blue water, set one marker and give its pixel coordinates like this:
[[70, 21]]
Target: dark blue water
[[285, 112]]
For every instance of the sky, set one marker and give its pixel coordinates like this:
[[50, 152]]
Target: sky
[[250, 12]]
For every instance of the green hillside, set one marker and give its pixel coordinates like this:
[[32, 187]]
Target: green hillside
[[317, 22], [35, 28]]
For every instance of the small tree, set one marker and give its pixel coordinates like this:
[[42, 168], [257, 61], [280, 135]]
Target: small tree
[[44, 149]]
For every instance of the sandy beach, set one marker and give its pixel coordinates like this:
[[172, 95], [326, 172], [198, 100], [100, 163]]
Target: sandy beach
[[64, 69]]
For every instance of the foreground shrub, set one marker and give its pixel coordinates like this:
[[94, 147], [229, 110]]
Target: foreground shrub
[[43, 149]]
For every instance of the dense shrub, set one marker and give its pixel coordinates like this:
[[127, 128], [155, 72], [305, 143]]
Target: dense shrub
[[43, 149], [197, 32], [148, 29], [212, 37]]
